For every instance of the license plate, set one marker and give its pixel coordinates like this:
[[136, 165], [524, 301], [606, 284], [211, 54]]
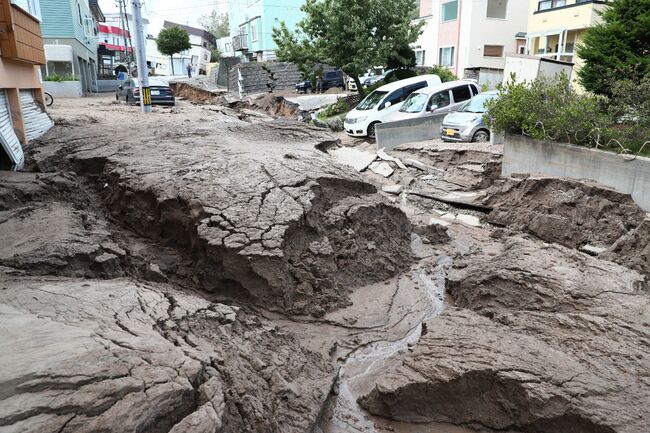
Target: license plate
[[155, 92], [451, 132]]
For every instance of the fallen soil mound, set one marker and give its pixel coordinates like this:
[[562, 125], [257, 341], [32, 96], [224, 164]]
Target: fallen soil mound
[[564, 211], [552, 340], [260, 211], [194, 93], [465, 165], [633, 249], [119, 356]]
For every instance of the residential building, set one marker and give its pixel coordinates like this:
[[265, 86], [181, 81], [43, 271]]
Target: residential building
[[470, 37], [224, 45], [21, 97], [556, 28], [202, 41], [252, 23], [113, 49], [71, 23]]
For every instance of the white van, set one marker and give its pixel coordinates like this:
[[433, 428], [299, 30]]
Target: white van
[[441, 99], [380, 104]]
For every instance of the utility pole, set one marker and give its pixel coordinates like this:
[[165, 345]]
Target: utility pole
[[141, 57]]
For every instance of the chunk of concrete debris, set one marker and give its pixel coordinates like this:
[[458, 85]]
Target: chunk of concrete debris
[[381, 153], [153, 273], [392, 189], [592, 250], [356, 158], [419, 165], [470, 220], [382, 168]]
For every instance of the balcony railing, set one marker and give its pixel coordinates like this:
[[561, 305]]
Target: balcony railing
[[240, 42]]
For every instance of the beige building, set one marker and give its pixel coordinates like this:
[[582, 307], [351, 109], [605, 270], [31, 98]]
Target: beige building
[[557, 27], [21, 95]]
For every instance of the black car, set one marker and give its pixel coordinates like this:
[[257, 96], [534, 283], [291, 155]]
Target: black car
[[161, 93], [330, 80]]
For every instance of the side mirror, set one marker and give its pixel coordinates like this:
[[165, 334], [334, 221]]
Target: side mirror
[[387, 104], [432, 108], [120, 87]]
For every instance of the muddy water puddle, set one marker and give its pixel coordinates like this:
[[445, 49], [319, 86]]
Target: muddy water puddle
[[358, 373]]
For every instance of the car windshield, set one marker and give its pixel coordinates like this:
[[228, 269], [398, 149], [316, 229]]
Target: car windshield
[[414, 103], [476, 104], [371, 100]]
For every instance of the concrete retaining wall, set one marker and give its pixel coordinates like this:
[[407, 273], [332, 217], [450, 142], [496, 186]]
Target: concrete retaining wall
[[390, 135], [250, 78], [523, 155], [63, 89]]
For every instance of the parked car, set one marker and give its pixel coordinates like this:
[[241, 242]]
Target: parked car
[[161, 93], [303, 86], [330, 80], [381, 103], [441, 99], [467, 124]]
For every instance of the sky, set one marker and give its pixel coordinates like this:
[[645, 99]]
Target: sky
[[179, 11]]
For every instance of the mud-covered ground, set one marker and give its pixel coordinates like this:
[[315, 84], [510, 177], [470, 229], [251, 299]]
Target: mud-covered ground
[[212, 269]]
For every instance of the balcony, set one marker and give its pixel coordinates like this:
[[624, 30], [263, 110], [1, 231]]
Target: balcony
[[20, 35], [240, 42]]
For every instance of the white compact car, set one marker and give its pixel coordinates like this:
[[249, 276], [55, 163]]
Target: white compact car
[[442, 99], [378, 106]]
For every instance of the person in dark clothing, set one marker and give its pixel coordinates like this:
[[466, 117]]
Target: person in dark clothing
[[189, 70]]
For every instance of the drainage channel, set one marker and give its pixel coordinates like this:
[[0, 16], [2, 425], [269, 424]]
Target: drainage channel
[[356, 376]]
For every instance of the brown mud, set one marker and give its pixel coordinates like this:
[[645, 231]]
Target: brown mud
[[204, 273]]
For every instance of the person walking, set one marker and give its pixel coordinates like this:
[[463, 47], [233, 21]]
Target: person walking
[[189, 70]]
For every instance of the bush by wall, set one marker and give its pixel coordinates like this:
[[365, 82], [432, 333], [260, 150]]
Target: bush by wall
[[550, 109], [58, 78]]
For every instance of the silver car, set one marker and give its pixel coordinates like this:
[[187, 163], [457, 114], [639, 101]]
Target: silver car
[[467, 123]]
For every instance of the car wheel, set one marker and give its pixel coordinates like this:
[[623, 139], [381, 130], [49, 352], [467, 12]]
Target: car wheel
[[371, 130], [481, 136]]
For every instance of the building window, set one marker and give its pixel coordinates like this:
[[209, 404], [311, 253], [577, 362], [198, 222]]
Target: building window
[[419, 57], [545, 5], [522, 49], [32, 7], [446, 57], [254, 31], [81, 22], [497, 9], [493, 50], [449, 11]]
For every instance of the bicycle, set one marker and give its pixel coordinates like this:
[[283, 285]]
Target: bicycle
[[48, 99]]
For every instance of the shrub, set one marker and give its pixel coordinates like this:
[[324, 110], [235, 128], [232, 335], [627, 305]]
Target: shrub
[[339, 107], [548, 109], [629, 107], [58, 78]]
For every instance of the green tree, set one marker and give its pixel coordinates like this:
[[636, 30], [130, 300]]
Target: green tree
[[618, 47], [215, 55], [352, 35], [215, 23], [172, 41]]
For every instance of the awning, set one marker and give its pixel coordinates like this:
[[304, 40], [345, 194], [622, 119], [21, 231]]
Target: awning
[[113, 30]]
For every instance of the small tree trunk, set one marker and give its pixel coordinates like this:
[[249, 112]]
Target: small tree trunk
[[360, 88], [172, 59]]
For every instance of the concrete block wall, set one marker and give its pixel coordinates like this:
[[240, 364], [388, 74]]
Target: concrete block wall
[[524, 155], [392, 134], [262, 77]]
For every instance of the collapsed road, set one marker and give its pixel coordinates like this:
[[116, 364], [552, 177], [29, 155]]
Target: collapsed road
[[196, 270]]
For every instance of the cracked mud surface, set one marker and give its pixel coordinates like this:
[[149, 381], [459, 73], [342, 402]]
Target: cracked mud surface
[[191, 272]]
